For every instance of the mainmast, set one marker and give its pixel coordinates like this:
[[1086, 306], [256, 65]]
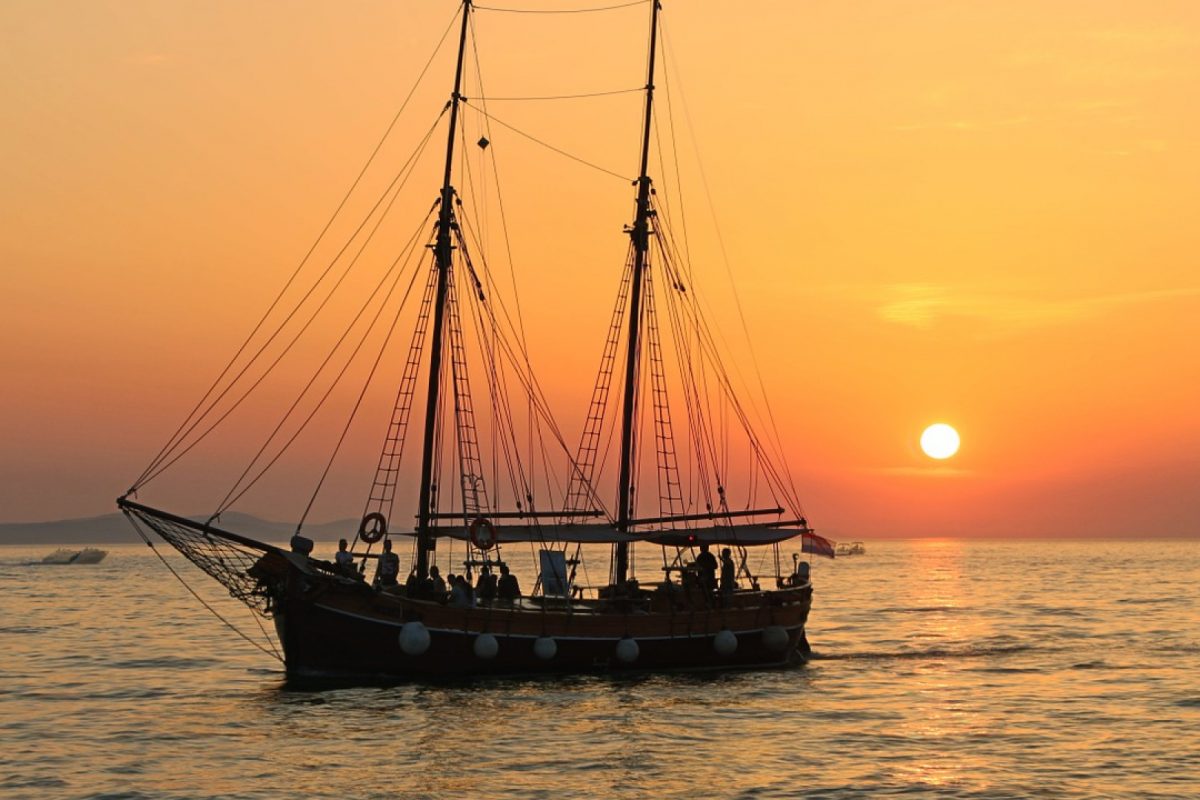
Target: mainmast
[[443, 252], [641, 244]]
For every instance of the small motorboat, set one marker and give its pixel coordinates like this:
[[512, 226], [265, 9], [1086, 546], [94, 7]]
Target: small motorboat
[[88, 555]]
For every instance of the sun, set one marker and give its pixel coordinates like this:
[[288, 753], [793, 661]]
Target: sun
[[939, 441]]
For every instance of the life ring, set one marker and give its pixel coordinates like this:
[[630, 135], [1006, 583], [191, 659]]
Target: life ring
[[483, 533], [372, 528]]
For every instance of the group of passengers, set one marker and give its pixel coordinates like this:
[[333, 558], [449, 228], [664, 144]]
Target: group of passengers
[[490, 589], [453, 590], [504, 589]]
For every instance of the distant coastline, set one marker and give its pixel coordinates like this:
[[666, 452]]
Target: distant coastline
[[115, 529]]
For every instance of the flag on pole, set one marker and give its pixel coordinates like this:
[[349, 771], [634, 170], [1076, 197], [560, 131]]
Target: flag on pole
[[817, 545]]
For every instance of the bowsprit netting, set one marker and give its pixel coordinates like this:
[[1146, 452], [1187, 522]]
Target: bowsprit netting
[[226, 557]]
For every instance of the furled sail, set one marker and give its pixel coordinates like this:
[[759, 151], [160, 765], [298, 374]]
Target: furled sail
[[607, 533]]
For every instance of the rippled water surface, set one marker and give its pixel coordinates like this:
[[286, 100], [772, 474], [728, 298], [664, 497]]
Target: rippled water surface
[[944, 669]]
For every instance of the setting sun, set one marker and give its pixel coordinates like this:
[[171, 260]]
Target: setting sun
[[939, 441]]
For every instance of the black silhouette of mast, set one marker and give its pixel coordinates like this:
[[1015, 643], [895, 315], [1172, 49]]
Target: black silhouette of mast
[[443, 253], [641, 244]]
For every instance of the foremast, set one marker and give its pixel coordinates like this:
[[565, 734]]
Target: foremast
[[640, 234], [443, 254]]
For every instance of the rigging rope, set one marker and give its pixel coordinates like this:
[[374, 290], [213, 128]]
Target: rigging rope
[[533, 421], [780, 451], [537, 412], [401, 177], [358, 403], [560, 10], [547, 145], [520, 328], [273, 652], [497, 387], [666, 73], [490, 334], [176, 438], [231, 497], [709, 350], [383, 489], [579, 96]]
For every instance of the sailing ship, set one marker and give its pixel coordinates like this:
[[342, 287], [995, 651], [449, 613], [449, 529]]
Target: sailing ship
[[665, 429]]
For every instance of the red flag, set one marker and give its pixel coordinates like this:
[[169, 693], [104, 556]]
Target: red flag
[[817, 545]]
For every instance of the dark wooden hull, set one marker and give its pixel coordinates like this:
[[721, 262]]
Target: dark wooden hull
[[333, 629]]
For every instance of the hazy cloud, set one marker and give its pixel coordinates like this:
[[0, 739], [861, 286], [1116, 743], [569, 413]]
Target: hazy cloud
[[923, 305], [931, 471], [965, 124], [1153, 38]]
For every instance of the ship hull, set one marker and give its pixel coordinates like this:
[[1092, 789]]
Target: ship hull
[[334, 631], [335, 627]]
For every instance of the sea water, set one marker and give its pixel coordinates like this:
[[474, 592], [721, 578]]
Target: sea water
[[943, 669]]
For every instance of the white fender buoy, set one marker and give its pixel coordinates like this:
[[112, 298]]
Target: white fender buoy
[[486, 646], [627, 650], [725, 643], [414, 638], [545, 648], [775, 638]]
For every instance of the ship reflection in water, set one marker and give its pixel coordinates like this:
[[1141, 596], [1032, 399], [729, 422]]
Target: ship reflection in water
[[943, 669]]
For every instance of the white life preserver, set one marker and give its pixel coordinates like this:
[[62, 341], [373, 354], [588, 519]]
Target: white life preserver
[[483, 533]]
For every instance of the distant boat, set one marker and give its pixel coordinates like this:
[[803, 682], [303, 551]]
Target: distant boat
[[88, 555], [851, 549]]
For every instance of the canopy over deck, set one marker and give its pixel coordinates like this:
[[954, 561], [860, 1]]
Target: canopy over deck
[[606, 533]]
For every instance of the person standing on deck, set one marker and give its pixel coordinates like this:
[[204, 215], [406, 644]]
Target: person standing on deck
[[706, 565], [728, 573], [344, 559], [388, 568], [460, 592], [436, 583], [485, 587], [507, 589]]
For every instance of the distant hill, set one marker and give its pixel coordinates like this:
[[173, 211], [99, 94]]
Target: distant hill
[[115, 529]]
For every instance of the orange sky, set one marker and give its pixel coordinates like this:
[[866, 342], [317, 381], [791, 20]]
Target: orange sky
[[940, 211]]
